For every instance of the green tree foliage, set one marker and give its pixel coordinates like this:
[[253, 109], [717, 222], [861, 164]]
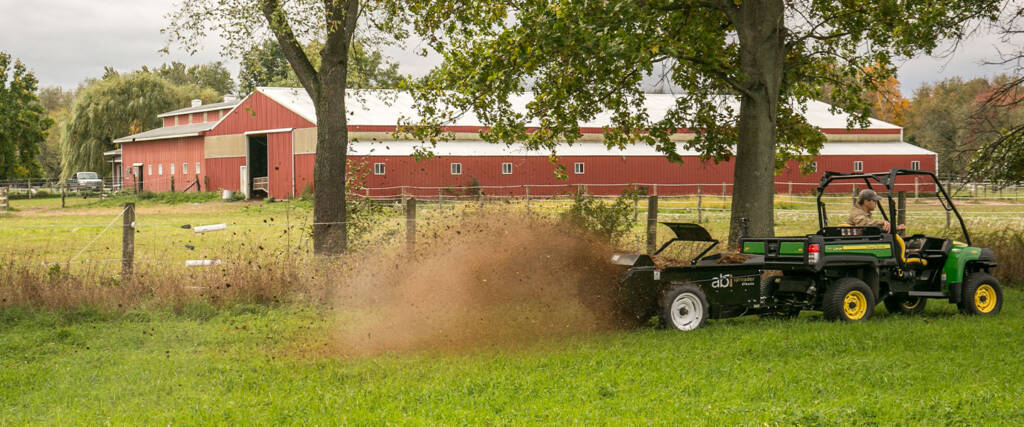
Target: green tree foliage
[[212, 75], [115, 106], [940, 119], [244, 24], [23, 120], [584, 57], [1001, 157], [265, 65], [57, 103]]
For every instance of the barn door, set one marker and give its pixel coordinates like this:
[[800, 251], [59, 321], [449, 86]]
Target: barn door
[[279, 161]]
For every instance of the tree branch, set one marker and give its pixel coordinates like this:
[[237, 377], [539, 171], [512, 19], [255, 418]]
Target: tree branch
[[291, 47]]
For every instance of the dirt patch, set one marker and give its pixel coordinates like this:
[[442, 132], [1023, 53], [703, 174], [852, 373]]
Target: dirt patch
[[488, 281]]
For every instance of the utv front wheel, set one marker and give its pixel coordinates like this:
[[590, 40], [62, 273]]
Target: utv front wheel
[[982, 295], [901, 304], [684, 307], [848, 300]]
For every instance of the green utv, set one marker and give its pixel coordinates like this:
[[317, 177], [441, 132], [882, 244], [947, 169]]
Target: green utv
[[842, 271]]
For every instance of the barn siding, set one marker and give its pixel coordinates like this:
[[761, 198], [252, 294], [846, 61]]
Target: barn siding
[[604, 175], [256, 113], [223, 173], [279, 164], [163, 152]]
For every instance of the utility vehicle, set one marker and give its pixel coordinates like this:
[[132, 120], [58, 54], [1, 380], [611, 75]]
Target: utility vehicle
[[842, 271]]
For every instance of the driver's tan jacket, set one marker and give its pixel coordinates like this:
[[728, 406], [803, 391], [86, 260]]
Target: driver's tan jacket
[[862, 218]]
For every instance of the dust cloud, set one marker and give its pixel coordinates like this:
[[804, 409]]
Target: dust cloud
[[487, 280]]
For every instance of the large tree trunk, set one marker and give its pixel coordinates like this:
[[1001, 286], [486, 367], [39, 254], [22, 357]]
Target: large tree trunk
[[330, 231], [330, 228], [761, 30]]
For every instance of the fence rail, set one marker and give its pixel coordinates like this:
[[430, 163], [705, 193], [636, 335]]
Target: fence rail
[[31, 187]]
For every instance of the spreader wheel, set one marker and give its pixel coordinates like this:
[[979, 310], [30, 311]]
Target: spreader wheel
[[982, 295], [902, 304], [848, 300], [684, 307]]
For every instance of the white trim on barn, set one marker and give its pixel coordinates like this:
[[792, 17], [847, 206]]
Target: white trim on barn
[[482, 148]]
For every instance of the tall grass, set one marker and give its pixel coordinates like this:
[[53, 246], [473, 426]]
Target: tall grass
[[1008, 245], [165, 286]]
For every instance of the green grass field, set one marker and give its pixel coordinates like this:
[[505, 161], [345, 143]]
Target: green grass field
[[279, 363], [258, 365]]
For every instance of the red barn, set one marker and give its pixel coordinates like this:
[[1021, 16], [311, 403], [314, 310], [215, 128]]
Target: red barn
[[268, 141]]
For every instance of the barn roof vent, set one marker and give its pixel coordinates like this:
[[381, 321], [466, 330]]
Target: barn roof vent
[[229, 97], [197, 102]]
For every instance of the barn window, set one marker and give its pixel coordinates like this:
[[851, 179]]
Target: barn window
[[814, 166], [160, 169], [378, 169], [172, 168], [858, 166], [184, 168], [197, 168], [578, 168], [915, 165], [506, 168], [456, 168], [150, 167]]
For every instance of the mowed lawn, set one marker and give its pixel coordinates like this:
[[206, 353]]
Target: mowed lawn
[[259, 365]]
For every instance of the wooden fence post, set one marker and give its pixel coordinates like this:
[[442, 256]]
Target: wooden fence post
[[410, 224], [790, 188], [901, 210], [636, 204], [3, 199], [527, 199], [63, 195], [128, 241], [199, 187], [700, 200], [172, 183], [652, 224], [917, 192]]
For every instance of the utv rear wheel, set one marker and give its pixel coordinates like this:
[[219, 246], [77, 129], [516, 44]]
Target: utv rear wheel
[[902, 304], [848, 300], [982, 295], [684, 308]]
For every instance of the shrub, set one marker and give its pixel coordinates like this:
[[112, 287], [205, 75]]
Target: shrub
[[608, 220]]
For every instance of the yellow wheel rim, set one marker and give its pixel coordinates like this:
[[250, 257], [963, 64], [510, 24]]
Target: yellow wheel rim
[[911, 304], [985, 298], [855, 305]]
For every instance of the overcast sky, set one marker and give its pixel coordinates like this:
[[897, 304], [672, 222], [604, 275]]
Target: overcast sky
[[64, 42]]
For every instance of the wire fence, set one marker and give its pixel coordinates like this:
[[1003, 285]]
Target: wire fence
[[170, 235]]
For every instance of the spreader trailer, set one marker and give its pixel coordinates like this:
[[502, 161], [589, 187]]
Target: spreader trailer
[[843, 271]]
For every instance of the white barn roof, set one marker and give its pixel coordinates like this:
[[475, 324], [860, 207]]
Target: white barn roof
[[383, 107]]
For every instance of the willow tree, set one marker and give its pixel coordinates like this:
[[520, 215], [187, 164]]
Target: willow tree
[[115, 106], [584, 57], [293, 23]]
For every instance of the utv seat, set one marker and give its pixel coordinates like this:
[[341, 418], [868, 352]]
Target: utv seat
[[912, 262]]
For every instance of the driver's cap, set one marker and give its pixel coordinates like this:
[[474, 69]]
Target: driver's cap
[[868, 194]]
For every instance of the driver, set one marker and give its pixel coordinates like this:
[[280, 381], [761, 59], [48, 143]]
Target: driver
[[860, 214]]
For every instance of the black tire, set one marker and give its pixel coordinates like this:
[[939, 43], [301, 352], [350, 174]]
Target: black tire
[[982, 295], [902, 304], [849, 300], [684, 308]]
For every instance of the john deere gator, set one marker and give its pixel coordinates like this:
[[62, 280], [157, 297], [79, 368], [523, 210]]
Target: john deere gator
[[842, 271]]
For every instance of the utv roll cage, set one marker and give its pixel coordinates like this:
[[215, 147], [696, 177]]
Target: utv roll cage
[[888, 181]]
